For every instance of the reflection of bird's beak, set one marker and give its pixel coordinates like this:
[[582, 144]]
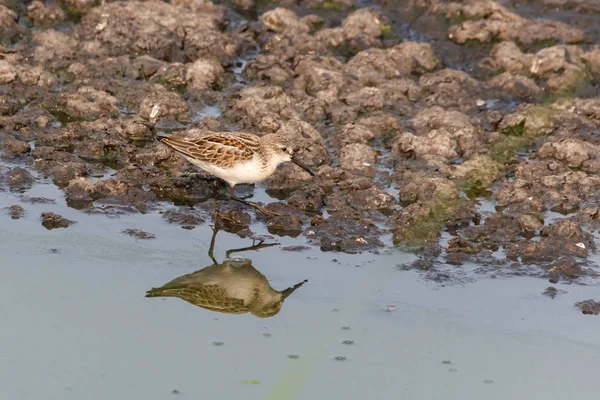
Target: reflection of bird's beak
[[291, 290], [304, 167]]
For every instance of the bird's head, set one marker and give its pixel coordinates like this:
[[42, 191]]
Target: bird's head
[[282, 150]]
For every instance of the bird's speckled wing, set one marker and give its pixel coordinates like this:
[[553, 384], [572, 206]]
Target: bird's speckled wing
[[220, 149], [211, 297]]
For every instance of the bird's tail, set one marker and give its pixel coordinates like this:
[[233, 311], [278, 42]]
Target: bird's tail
[[176, 291]]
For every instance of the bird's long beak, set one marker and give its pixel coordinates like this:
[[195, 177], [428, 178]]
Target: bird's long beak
[[304, 167], [292, 289]]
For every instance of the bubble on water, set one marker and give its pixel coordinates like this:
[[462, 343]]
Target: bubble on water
[[340, 358], [237, 261]]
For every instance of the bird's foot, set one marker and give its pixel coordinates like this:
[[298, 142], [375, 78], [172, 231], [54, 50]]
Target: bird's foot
[[260, 208], [218, 216], [225, 217], [264, 211]]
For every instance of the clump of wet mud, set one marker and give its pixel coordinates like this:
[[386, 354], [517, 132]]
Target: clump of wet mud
[[54, 221], [138, 234], [461, 131], [15, 211], [590, 307]]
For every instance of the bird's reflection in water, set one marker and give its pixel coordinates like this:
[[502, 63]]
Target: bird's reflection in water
[[233, 287]]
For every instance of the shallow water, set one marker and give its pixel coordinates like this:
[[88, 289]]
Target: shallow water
[[76, 323]]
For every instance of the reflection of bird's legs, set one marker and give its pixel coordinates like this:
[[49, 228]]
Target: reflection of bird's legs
[[261, 244], [211, 249], [258, 246], [250, 204]]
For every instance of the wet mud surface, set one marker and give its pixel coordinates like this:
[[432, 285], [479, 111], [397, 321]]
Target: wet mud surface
[[462, 132]]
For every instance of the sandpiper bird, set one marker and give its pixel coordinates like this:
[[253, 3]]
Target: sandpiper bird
[[236, 157], [233, 287]]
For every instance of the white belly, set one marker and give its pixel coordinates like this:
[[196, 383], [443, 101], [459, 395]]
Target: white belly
[[248, 172]]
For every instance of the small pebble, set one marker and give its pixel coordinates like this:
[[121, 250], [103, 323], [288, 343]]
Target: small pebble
[[54, 221], [293, 356], [348, 341], [37, 200], [340, 358], [218, 343], [138, 234], [16, 211]]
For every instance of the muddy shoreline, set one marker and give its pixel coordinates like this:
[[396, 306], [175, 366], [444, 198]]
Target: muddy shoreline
[[463, 131]]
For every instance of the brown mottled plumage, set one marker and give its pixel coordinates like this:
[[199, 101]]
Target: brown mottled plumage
[[220, 149]]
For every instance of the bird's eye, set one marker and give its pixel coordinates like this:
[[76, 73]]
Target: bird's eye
[[284, 149]]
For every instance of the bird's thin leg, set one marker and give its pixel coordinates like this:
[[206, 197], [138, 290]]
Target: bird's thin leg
[[253, 205], [216, 198]]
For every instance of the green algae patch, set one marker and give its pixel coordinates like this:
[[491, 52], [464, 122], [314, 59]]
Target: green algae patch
[[420, 223], [533, 122], [505, 149], [333, 6], [457, 18], [386, 31], [571, 84], [520, 129], [516, 129], [539, 121], [250, 382], [477, 173], [536, 45]]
